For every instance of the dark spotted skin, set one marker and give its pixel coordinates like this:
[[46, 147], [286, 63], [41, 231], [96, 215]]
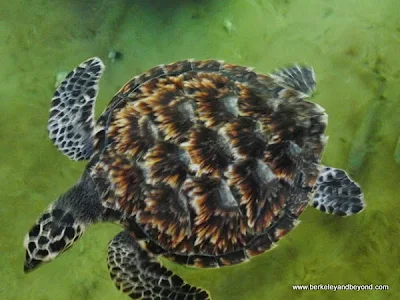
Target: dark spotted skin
[[209, 163]]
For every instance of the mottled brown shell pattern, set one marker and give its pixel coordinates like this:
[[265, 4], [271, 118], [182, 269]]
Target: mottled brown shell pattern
[[210, 163]]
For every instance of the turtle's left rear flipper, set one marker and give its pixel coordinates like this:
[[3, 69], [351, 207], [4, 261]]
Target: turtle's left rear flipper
[[336, 193], [71, 121], [139, 274]]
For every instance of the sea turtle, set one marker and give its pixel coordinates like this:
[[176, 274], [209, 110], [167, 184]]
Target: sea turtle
[[202, 162]]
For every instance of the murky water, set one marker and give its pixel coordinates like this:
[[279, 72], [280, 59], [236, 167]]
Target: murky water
[[352, 45]]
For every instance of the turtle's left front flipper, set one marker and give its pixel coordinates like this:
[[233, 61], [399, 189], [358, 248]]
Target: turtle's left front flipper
[[336, 193], [71, 121], [139, 274]]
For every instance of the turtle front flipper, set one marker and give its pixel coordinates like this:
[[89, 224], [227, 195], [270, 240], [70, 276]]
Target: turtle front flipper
[[138, 273], [336, 193], [71, 121]]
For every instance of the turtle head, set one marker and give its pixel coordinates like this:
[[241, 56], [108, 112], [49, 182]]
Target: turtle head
[[62, 224], [54, 232]]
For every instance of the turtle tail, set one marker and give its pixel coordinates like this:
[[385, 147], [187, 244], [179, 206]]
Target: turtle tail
[[62, 224]]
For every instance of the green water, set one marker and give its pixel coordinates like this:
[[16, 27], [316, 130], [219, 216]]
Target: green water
[[351, 44]]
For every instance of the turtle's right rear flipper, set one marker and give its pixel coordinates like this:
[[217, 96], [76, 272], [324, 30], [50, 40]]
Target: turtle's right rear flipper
[[299, 78], [139, 274], [71, 122], [336, 193]]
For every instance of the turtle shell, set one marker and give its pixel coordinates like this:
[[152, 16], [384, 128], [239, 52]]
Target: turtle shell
[[209, 163]]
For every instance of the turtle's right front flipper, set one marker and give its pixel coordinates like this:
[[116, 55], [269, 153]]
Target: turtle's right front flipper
[[140, 275], [71, 121]]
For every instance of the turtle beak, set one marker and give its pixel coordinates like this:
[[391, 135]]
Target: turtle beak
[[30, 264]]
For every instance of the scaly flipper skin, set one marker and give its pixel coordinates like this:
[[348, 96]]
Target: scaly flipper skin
[[298, 78], [71, 122], [336, 193], [139, 274]]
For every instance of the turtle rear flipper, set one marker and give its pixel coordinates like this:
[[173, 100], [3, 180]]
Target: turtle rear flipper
[[336, 193], [141, 276], [71, 121], [299, 78]]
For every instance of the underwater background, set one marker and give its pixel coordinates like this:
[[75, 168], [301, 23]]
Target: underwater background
[[354, 47]]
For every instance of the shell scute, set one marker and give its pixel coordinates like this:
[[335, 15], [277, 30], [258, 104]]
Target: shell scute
[[178, 67], [245, 137], [216, 217], [131, 134], [175, 119], [166, 163], [207, 65], [263, 196], [239, 73], [165, 218], [209, 153], [214, 97], [259, 245]]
